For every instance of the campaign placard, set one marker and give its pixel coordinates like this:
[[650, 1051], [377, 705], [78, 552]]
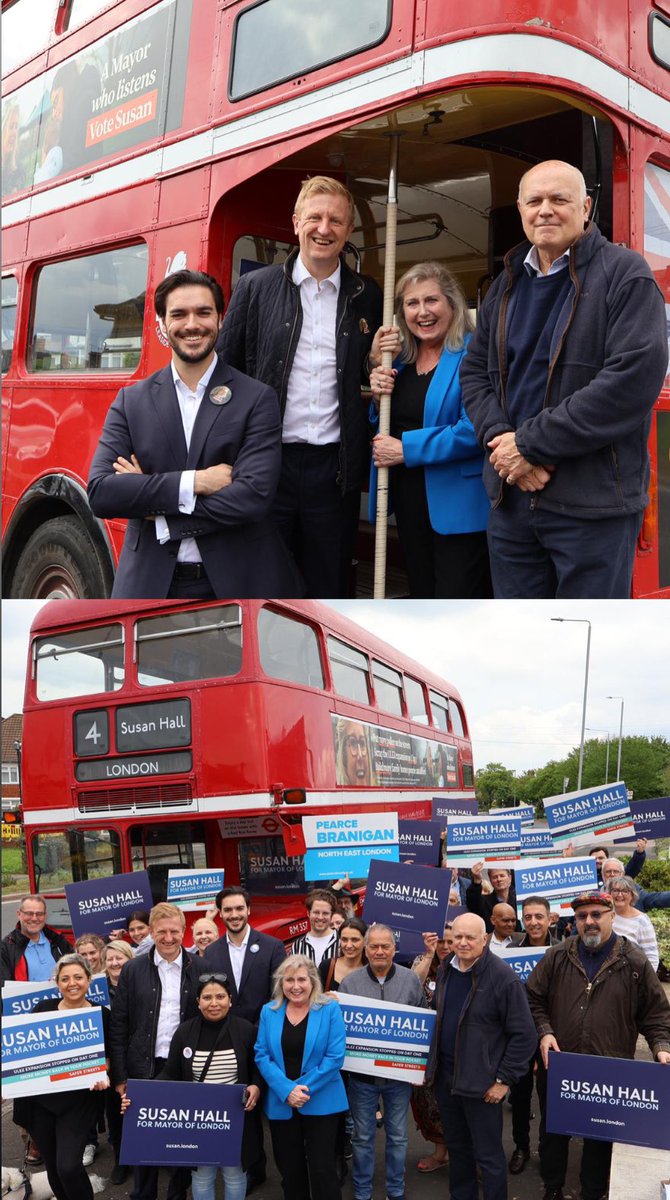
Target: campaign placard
[[444, 807], [266, 868], [195, 888], [525, 811], [609, 1099], [522, 959], [388, 1040], [344, 843], [420, 842], [410, 900], [52, 1052], [484, 839], [651, 818], [18, 998], [560, 880], [537, 843], [182, 1124], [101, 905], [590, 815]]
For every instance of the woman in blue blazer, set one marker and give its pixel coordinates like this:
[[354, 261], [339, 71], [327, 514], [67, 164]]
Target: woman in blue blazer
[[434, 458], [299, 1053]]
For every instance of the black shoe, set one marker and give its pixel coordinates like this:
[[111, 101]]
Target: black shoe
[[348, 1149], [119, 1174], [254, 1181], [518, 1160], [552, 1193]]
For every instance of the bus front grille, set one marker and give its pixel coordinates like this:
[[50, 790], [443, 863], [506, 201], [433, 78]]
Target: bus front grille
[[156, 796]]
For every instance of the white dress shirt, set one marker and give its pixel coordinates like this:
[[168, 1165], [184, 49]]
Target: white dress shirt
[[169, 1018], [189, 404], [532, 263], [312, 411], [237, 954], [495, 945]]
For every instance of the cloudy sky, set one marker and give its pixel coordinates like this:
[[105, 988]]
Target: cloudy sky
[[521, 677]]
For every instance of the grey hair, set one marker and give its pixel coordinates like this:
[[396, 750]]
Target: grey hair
[[377, 929], [623, 883], [461, 322], [293, 963], [72, 960]]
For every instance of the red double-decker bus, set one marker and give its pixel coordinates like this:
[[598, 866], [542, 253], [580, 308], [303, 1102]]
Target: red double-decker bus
[[145, 135], [168, 735]]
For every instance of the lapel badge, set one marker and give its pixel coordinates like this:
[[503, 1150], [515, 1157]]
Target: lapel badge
[[254, 949], [220, 395], [363, 325], [187, 1052]]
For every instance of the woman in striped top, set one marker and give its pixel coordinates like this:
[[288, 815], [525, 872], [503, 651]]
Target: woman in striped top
[[218, 1047], [629, 921]]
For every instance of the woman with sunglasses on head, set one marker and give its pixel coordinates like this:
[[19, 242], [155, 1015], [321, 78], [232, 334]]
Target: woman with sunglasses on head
[[114, 957], [59, 1121], [218, 1047]]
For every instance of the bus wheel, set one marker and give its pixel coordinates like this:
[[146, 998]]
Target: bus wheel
[[59, 561]]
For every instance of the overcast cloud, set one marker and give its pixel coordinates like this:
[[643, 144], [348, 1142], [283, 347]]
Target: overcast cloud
[[521, 677]]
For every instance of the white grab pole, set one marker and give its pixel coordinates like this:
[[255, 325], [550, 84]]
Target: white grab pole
[[387, 360]]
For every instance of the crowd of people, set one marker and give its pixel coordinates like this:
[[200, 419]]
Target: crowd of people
[[242, 1008], [517, 452]]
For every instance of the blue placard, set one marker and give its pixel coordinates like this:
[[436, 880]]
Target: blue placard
[[443, 806], [482, 839], [384, 1039], [609, 1099], [194, 888], [20, 998], [101, 905], [522, 959], [50, 1052], [411, 900], [559, 880], [266, 868], [536, 843], [590, 815], [182, 1124], [651, 818], [525, 811], [420, 842]]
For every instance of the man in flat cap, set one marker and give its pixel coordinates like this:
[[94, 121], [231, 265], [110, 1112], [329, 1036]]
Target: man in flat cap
[[582, 994]]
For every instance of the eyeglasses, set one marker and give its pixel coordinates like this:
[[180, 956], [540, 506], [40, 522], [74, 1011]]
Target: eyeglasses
[[592, 916], [33, 912], [204, 979], [357, 744]]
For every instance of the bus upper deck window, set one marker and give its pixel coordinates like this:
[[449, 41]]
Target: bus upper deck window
[[350, 671], [416, 701], [457, 722], [659, 39], [440, 707], [26, 29], [198, 644], [9, 294], [388, 687], [276, 40], [84, 663], [82, 11], [288, 649]]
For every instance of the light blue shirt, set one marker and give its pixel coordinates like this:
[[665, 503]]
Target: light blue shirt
[[39, 959]]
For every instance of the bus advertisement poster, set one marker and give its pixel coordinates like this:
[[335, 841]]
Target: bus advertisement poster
[[410, 900], [420, 842], [522, 960], [591, 815], [484, 839], [18, 998], [101, 905], [388, 1040], [345, 844], [373, 756], [182, 1124], [195, 888], [52, 1052], [444, 807], [560, 881], [266, 868], [609, 1099]]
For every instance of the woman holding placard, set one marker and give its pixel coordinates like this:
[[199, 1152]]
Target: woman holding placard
[[59, 1121]]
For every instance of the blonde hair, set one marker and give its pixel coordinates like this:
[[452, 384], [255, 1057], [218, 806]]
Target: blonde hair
[[320, 184], [93, 938], [205, 921], [121, 947], [293, 963], [164, 912], [461, 322]]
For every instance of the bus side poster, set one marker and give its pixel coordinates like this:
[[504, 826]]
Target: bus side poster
[[374, 756]]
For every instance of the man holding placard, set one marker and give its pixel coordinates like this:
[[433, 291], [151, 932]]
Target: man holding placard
[[502, 882], [582, 995], [483, 1040]]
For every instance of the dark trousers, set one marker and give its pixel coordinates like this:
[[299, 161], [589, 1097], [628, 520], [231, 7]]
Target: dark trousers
[[521, 1095], [304, 1151], [539, 555], [316, 521], [61, 1137], [191, 589], [114, 1120], [596, 1156], [473, 1137], [439, 566]]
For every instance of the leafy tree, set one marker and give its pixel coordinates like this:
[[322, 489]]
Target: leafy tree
[[645, 767], [496, 785]]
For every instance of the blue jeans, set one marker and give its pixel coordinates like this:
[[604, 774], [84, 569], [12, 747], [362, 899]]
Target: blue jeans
[[203, 1183], [364, 1096]]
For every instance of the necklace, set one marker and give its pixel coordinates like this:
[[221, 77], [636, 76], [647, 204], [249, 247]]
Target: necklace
[[427, 370]]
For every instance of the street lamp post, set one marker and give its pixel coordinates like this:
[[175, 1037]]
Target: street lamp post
[[581, 621], [618, 760], [590, 729]]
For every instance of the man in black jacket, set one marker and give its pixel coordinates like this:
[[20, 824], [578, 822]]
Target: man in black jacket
[[155, 993], [482, 903], [560, 381], [305, 327], [483, 1040]]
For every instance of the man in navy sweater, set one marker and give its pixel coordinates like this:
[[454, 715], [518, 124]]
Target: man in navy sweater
[[559, 381]]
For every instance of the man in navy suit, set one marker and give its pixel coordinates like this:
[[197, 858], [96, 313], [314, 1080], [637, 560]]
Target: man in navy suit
[[247, 957], [191, 456]]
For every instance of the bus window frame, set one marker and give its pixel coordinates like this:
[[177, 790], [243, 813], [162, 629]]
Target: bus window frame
[[659, 18]]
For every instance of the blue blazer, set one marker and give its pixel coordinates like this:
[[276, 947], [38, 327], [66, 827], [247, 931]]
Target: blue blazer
[[448, 450], [321, 1062], [240, 546]]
